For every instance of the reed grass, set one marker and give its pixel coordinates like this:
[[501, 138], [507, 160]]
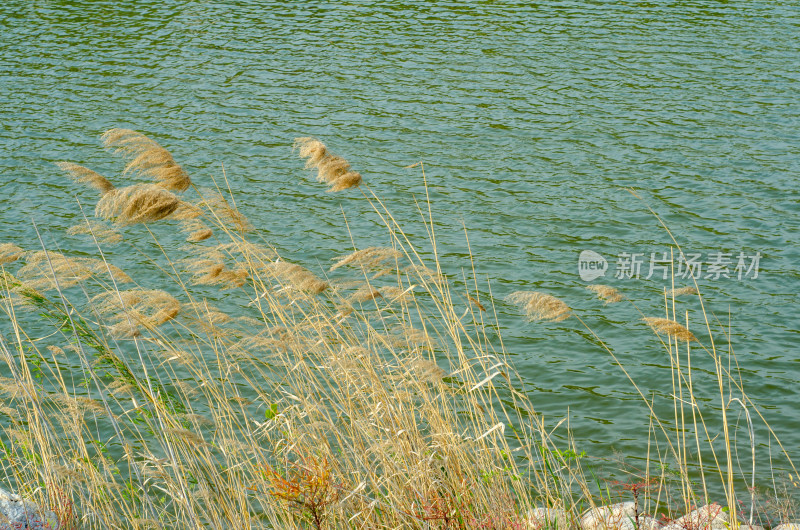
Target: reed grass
[[375, 400], [540, 306], [609, 294]]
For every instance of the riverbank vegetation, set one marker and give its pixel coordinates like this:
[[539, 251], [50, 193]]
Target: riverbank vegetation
[[230, 387]]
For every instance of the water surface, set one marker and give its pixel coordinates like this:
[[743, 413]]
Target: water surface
[[531, 121]]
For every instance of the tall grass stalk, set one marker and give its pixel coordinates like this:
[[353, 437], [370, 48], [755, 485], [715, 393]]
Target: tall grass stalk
[[233, 388]]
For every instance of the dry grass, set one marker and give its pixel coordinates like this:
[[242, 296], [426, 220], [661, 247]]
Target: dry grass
[[540, 306], [102, 232], [231, 388], [215, 203], [84, 175], [680, 291], [127, 310], [331, 169], [200, 235], [10, 253], [140, 203], [606, 293], [670, 327], [47, 270], [296, 277], [147, 158], [371, 258]]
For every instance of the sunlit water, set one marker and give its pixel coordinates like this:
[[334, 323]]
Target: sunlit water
[[531, 121]]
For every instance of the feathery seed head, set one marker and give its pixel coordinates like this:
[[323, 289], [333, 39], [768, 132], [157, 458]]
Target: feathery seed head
[[102, 232], [140, 203], [212, 270], [476, 302], [147, 158], [311, 149], [101, 268], [394, 293], [221, 209], [10, 253], [84, 175], [187, 436], [671, 328], [370, 258], [38, 274], [187, 211], [607, 293], [425, 274], [197, 229], [299, 277], [136, 307], [365, 294], [681, 291], [351, 179], [427, 371], [200, 235], [331, 169], [540, 306]]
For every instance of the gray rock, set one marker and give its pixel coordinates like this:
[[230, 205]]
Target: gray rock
[[18, 513], [648, 523], [611, 517], [709, 517], [547, 518], [617, 517], [788, 526]]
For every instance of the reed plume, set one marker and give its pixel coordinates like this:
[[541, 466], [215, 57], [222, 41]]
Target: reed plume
[[103, 233], [425, 274], [681, 291], [219, 208], [370, 258], [411, 338], [298, 277], [140, 203], [185, 435], [607, 293], [312, 150], [147, 158], [133, 307], [255, 254], [427, 371], [16, 291], [187, 211], [10, 253], [670, 327], [65, 272], [540, 306], [395, 294], [200, 235], [101, 267], [84, 175], [365, 294], [232, 278], [197, 229], [212, 270], [331, 169], [477, 303]]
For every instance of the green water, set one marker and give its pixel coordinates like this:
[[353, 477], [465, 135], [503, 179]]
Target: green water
[[530, 120]]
